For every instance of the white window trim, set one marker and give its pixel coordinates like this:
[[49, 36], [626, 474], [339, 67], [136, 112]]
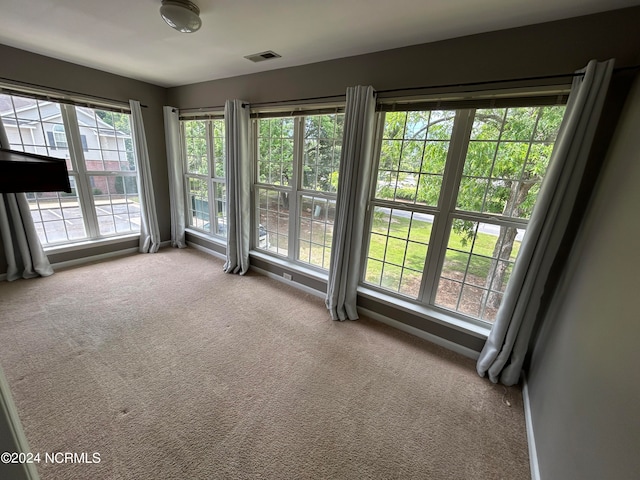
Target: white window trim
[[294, 189], [444, 214], [211, 180]]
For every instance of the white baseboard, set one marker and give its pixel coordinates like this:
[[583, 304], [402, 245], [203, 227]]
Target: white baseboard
[[448, 344], [94, 258], [207, 250], [165, 244], [531, 439], [297, 285]]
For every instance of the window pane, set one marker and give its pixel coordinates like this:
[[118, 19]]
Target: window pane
[[413, 155], [275, 146], [478, 262], [221, 208], [198, 203], [321, 156], [273, 229], [117, 204], [57, 216], [316, 221], [218, 148], [106, 140], [507, 158], [34, 126], [397, 251]]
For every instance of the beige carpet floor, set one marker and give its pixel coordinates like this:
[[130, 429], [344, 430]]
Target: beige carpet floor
[[171, 369]]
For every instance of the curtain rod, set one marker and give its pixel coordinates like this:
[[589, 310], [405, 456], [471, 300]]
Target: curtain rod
[[325, 97], [490, 82], [426, 87], [484, 82], [64, 92], [262, 104]]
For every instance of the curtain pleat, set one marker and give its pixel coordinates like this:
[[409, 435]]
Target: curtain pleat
[[351, 204], [504, 352], [176, 173], [22, 248], [238, 170], [149, 229]]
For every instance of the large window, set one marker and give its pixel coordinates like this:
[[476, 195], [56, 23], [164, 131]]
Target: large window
[[98, 150], [205, 175], [296, 181], [453, 195]]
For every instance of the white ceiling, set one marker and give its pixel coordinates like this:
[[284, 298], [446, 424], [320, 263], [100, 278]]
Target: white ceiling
[[128, 37]]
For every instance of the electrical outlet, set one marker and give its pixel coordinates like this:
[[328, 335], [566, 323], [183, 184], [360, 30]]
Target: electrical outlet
[[287, 276]]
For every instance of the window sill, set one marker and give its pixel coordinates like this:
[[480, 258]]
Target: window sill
[[469, 327], [206, 236], [72, 247]]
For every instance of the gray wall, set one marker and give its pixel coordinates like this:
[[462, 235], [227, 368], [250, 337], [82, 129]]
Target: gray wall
[[19, 65], [550, 48], [584, 380]]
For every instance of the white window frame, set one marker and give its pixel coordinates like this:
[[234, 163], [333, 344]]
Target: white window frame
[[217, 207], [295, 191], [444, 213], [79, 176]]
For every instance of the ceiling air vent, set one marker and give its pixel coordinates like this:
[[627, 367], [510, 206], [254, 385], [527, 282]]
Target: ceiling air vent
[[261, 57]]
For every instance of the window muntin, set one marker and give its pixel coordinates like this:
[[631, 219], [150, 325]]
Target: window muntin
[[297, 164], [204, 177], [495, 160], [413, 153], [398, 245], [47, 128]]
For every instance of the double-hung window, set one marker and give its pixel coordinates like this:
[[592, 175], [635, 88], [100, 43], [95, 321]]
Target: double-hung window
[[204, 175], [97, 147], [296, 180], [453, 193]]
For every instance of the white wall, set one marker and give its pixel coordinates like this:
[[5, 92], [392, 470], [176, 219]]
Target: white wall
[[584, 378]]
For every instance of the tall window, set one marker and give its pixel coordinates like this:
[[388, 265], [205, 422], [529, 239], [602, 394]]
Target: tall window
[[453, 195], [205, 175], [97, 147], [297, 177]]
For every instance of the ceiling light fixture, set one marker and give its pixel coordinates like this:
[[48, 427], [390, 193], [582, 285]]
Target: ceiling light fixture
[[182, 15]]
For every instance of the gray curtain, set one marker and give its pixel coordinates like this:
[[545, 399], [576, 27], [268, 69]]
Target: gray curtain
[[149, 229], [22, 248], [353, 194], [238, 169], [504, 352], [176, 174]]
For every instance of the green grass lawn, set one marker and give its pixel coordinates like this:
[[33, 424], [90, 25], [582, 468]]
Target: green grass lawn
[[413, 236]]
